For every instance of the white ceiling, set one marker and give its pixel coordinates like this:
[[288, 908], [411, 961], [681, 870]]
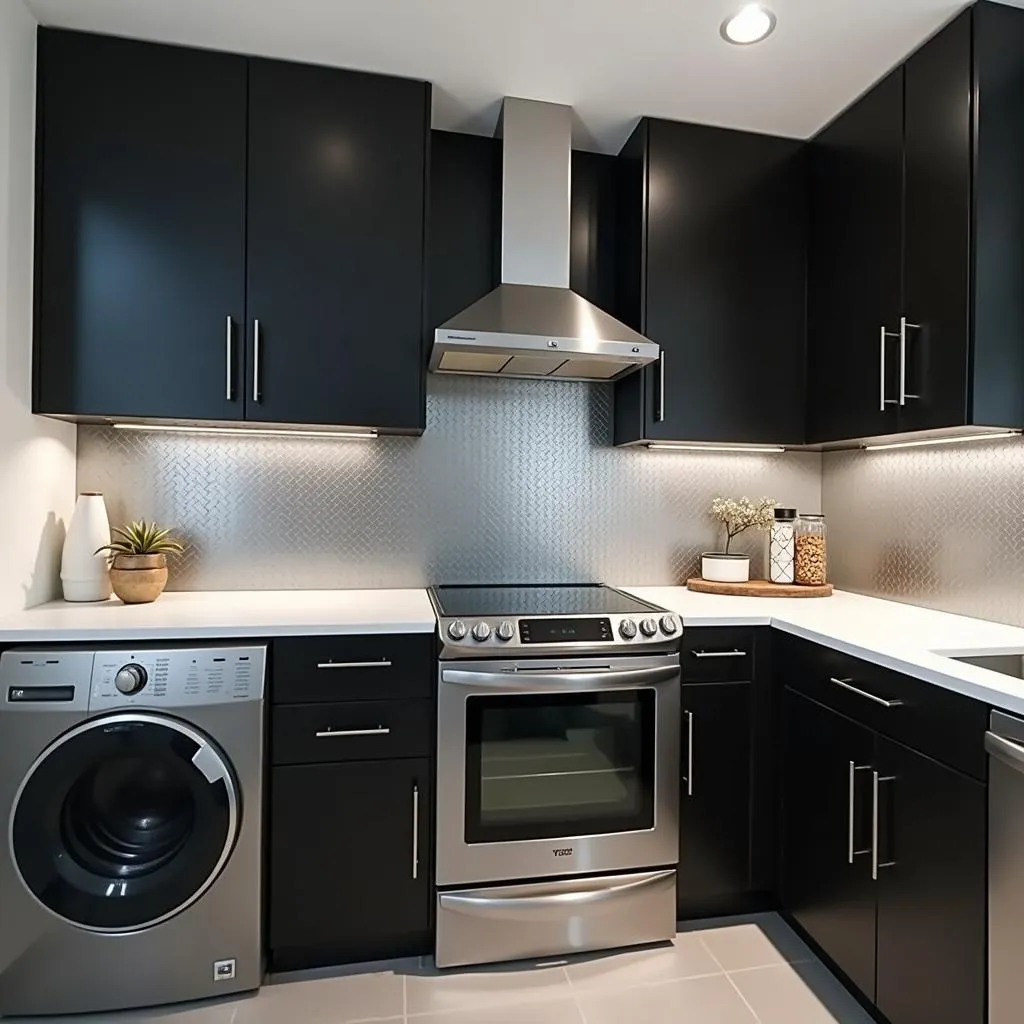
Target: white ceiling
[[612, 60]]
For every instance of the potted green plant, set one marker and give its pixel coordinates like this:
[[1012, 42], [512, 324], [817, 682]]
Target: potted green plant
[[138, 570], [737, 516]]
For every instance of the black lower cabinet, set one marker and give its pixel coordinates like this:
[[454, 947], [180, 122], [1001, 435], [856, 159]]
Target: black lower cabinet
[[350, 862], [931, 891], [826, 834], [715, 805]]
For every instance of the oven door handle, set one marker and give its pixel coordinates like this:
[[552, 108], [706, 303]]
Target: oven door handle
[[557, 901], [533, 682]]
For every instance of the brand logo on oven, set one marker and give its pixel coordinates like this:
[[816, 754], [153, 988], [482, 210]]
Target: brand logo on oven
[[562, 851]]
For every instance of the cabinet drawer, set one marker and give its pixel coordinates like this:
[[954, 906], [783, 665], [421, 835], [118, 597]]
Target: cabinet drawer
[[717, 654], [351, 731], [940, 723], [383, 666]]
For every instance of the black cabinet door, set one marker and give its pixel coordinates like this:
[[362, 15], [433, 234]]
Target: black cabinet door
[[337, 190], [140, 263], [344, 879], [855, 268], [931, 891], [715, 808], [826, 870], [724, 294], [937, 251]]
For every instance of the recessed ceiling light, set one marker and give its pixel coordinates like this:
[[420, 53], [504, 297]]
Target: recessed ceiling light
[[750, 24]]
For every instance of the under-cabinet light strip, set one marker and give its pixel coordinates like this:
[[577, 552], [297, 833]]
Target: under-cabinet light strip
[[168, 428], [766, 449], [927, 442]]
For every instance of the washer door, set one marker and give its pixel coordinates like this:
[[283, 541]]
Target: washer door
[[124, 821]]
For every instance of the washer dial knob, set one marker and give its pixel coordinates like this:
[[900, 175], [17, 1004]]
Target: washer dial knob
[[481, 631], [130, 679], [627, 629], [649, 627], [668, 624], [506, 631], [457, 629]]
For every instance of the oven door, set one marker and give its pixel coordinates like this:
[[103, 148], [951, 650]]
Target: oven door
[[557, 768]]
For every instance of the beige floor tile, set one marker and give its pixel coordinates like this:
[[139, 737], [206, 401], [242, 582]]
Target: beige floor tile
[[501, 985], [686, 957], [759, 941], [221, 1011], [798, 994], [558, 1011], [339, 1000], [693, 1001]]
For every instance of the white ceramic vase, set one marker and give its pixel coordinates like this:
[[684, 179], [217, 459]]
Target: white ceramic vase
[[84, 574], [722, 568]]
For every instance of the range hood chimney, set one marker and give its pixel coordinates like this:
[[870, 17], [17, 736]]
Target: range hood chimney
[[532, 325]]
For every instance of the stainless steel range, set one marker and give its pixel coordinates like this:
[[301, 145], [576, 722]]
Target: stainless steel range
[[558, 771]]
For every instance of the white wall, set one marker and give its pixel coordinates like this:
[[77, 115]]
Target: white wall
[[37, 456]]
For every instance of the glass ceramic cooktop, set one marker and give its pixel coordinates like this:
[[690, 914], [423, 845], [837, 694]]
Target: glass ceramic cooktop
[[571, 599]]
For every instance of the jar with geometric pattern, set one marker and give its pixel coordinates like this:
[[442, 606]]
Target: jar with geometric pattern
[[782, 547]]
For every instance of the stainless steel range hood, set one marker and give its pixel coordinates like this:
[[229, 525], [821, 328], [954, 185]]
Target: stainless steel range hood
[[532, 325]]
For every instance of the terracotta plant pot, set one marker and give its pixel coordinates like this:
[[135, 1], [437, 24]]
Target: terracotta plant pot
[[138, 579]]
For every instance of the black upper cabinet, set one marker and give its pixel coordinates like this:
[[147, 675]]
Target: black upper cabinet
[[855, 267], [337, 176], [140, 236], [953, 356], [712, 238]]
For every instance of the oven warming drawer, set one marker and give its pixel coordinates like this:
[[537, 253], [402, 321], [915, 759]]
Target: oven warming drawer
[[538, 919]]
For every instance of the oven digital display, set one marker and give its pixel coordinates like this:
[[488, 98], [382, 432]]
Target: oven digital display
[[565, 631]]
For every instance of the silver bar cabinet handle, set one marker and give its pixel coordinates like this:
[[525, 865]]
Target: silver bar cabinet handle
[[854, 768], [875, 780], [661, 387], [904, 324], [719, 654], [847, 685], [380, 730], [255, 360], [415, 831], [383, 663], [229, 345], [689, 752], [882, 400]]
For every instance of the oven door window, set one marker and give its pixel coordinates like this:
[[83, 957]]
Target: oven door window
[[542, 766]]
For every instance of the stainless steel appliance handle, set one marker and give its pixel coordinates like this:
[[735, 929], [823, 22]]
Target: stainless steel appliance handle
[[689, 752], [229, 376], [903, 359], [854, 768], [660, 418], [882, 400], [255, 360], [383, 663], [550, 901], [875, 780], [1010, 753], [609, 680], [380, 730], [847, 685], [719, 654], [415, 831]]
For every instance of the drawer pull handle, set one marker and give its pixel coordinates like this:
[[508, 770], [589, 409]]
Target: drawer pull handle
[[380, 730], [719, 654], [415, 831], [847, 685], [384, 663]]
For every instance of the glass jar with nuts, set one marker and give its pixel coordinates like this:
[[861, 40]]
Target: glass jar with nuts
[[810, 563]]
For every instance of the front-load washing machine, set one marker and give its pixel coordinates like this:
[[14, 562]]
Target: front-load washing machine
[[130, 798]]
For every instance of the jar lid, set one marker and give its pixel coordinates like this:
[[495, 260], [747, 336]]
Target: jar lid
[[812, 515], [785, 513]]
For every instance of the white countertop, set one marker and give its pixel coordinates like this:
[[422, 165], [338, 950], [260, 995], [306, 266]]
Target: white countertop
[[902, 637], [212, 615]]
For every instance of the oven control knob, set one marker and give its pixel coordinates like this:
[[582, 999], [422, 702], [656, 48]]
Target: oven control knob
[[130, 679], [481, 631], [668, 624], [457, 629], [649, 627], [627, 629], [506, 631]]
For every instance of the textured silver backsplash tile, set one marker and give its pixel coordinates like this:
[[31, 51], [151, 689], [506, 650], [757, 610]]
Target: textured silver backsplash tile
[[941, 526], [513, 481]]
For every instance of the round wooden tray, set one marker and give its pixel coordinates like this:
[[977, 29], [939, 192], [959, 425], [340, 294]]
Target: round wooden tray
[[758, 588]]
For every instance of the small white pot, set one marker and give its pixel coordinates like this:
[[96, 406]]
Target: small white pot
[[84, 574], [722, 568]]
